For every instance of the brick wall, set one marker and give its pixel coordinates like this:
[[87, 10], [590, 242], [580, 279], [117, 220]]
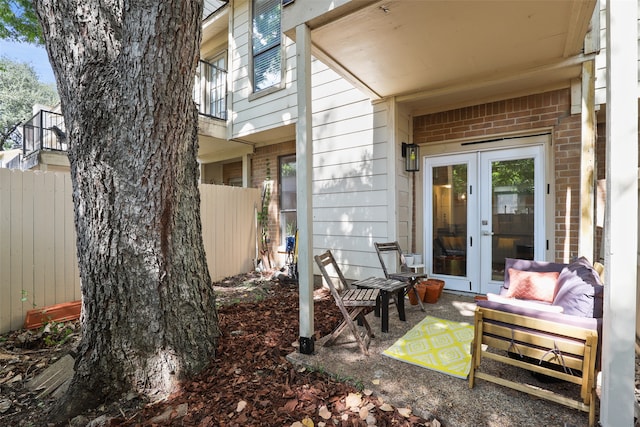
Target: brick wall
[[263, 158], [527, 113]]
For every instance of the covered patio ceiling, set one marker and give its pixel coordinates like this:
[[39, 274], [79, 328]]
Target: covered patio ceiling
[[435, 55]]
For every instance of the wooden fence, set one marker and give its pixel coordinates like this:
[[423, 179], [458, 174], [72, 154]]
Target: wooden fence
[[229, 228], [38, 263]]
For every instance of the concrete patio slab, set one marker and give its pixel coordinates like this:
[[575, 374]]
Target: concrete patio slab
[[433, 394]]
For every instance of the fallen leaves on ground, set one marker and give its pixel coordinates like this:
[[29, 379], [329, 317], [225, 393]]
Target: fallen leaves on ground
[[250, 383]]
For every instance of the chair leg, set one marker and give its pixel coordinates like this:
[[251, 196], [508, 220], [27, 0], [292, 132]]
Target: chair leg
[[412, 286], [420, 303], [356, 315], [367, 326], [336, 332]]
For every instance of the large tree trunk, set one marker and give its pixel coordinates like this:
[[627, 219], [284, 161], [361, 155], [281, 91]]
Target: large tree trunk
[[125, 73]]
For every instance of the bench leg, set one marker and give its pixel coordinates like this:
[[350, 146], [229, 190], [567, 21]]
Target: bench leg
[[376, 310], [384, 307], [398, 297]]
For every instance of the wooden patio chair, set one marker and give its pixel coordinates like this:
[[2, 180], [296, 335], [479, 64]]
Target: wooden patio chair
[[352, 303], [403, 273]]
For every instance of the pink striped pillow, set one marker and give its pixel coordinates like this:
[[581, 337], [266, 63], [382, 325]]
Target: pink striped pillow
[[532, 285]]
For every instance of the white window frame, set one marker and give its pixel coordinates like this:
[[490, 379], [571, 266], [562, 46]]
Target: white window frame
[[256, 93]]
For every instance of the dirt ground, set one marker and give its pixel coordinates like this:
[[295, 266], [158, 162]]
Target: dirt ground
[[250, 383]]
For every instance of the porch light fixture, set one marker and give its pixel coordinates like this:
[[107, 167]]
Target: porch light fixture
[[411, 154]]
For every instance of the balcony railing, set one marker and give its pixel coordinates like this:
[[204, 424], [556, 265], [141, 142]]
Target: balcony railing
[[43, 131], [46, 128], [210, 90]]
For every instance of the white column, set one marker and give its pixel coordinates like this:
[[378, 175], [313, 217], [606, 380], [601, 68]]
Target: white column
[[246, 170], [619, 325], [587, 163], [304, 173]]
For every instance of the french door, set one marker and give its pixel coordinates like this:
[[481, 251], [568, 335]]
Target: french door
[[481, 208]]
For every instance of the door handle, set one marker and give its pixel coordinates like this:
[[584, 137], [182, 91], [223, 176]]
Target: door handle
[[487, 233]]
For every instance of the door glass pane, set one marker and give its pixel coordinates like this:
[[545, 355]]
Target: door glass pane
[[288, 196], [449, 189], [512, 199]]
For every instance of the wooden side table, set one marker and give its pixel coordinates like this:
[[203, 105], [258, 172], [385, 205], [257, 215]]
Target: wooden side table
[[388, 288]]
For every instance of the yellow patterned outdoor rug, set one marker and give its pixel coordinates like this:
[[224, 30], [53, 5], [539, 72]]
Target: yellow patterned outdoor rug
[[436, 344]]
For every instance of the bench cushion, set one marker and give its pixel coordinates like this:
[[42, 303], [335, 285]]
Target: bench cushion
[[537, 305], [563, 318]]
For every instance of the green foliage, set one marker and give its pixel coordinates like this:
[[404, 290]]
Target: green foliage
[[288, 169], [459, 173], [20, 89], [18, 22], [56, 333], [519, 173], [291, 228], [263, 214]]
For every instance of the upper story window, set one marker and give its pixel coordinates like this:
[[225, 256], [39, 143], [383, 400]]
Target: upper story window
[[266, 44], [210, 87]]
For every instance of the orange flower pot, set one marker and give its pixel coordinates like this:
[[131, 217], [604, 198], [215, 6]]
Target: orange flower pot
[[422, 290], [55, 313], [439, 283], [433, 290]]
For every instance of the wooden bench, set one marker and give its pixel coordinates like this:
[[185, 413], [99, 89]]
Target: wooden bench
[[565, 352]]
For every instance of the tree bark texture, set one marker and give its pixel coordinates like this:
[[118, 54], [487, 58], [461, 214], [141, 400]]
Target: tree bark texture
[[125, 71]]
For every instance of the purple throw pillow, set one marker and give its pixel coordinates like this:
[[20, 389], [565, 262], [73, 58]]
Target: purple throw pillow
[[580, 292]]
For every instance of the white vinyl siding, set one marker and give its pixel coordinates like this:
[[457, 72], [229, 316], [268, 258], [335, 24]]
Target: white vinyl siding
[[601, 59], [350, 173], [257, 112], [352, 184]]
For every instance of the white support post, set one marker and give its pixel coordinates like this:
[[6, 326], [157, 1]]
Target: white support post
[[619, 324], [587, 163], [304, 174], [246, 170]]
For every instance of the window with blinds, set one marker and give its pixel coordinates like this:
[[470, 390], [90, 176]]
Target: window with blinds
[[266, 44]]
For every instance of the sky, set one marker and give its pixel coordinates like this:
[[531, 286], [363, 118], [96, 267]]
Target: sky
[[31, 54]]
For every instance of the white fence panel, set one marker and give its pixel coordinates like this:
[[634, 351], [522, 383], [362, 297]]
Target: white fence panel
[[229, 228], [38, 262]]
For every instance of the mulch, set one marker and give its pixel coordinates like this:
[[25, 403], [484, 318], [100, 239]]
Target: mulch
[[250, 383]]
